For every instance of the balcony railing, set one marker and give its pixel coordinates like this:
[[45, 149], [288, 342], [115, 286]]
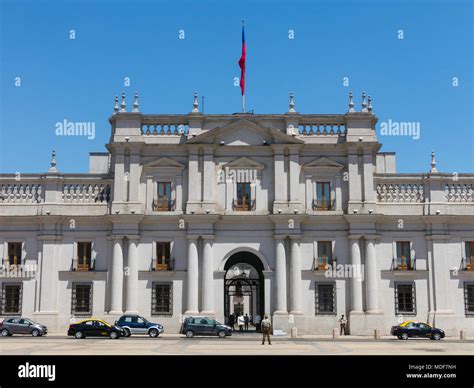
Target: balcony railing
[[21, 193], [163, 205], [245, 205], [157, 265], [322, 263], [403, 264], [83, 265], [467, 264], [319, 204], [86, 193], [8, 270]]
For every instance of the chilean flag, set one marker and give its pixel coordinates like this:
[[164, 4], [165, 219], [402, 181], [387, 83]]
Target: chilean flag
[[242, 63]]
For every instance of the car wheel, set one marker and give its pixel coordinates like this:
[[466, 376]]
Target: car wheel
[[5, 333], [221, 334], [35, 333], [399, 336], [128, 333], [113, 335], [436, 337], [189, 334], [404, 336], [153, 333], [79, 335]]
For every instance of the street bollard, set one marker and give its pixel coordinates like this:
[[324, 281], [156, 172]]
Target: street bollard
[[463, 335], [377, 334], [294, 332], [335, 333]]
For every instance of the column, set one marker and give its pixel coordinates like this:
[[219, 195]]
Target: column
[[134, 181], [355, 194], [119, 173], [296, 293], [371, 276], [192, 277], [280, 180], [369, 194], [280, 276], [117, 277], [356, 281], [131, 290], [207, 277], [48, 274], [294, 174], [208, 180], [194, 181]]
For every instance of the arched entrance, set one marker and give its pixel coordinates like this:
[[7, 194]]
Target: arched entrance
[[244, 285]]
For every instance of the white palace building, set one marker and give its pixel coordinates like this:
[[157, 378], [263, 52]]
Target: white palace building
[[298, 216]]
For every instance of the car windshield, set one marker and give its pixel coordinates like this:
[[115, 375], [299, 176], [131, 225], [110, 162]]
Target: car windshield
[[28, 321]]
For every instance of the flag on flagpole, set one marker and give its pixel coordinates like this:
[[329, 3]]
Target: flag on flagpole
[[242, 67]]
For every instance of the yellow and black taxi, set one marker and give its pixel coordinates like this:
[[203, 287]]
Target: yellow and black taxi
[[94, 328], [416, 329]]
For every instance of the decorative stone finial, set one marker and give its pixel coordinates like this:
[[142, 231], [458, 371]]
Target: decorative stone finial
[[369, 107], [195, 103], [135, 102], [122, 104], [364, 103], [292, 103], [351, 102], [433, 162], [53, 162], [116, 107]]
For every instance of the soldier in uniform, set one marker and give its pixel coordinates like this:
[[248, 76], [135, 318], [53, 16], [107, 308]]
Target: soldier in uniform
[[266, 330], [343, 323]]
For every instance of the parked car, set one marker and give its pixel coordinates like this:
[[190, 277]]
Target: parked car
[[10, 326], [416, 329], [204, 326], [135, 324], [95, 328]]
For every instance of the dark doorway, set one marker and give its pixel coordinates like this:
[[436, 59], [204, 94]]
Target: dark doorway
[[244, 286]]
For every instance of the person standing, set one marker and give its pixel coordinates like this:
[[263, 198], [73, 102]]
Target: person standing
[[241, 323], [257, 321], [266, 330], [247, 321], [232, 321], [342, 324]]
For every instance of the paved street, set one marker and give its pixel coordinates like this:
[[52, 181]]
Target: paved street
[[247, 344]]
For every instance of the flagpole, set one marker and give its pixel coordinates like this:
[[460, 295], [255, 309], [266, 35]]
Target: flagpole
[[243, 103]]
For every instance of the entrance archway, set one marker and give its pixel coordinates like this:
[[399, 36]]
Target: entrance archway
[[244, 290]]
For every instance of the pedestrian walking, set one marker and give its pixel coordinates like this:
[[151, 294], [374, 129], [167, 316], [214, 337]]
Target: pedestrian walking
[[247, 321], [266, 330], [241, 323], [342, 324]]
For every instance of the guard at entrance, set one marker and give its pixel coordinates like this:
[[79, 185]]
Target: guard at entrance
[[343, 323], [266, 330], [247, 321]]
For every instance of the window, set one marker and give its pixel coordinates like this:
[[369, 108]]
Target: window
[[163, 202], [84, 256], [11, 299], [14, 253], [162, 299], [323, 196], [163, 259], [81, 299], [469, 255], [325, 299], [404, 259], [244, 196], [324, 255], [469, 298], [405, 302]]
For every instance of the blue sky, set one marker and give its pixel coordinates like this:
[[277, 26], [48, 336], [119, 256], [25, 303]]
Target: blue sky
[[410, 79]]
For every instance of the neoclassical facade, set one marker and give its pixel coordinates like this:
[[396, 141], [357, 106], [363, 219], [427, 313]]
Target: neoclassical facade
[[298, 216]]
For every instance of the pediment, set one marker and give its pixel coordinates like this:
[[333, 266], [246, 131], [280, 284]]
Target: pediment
[[244, 132], [164, 162], [323, 163], [244, 163]]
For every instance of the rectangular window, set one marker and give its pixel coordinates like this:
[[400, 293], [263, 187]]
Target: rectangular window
[[404, 259], [469, 298], [324, 254], [14, 253], [470, 255], [405, 300], [323, 196], [81, 299], [84, 256], [163, 202], [163, 253], [162, 299], [325, 299], [11, 299], [244, 200]]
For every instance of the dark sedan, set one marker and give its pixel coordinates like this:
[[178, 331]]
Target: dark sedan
[[416, 330], [95, 328], [10, 326], [204, 326]]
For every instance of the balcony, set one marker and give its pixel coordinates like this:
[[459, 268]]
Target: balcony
[[18, 271], [243, 205], [467, 264], [163, 205], [323, 263], [83, 265], [159, 266], [322, 205], [403, 264]]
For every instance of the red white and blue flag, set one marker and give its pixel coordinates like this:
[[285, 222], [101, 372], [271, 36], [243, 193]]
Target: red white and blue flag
[[242, 63]]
